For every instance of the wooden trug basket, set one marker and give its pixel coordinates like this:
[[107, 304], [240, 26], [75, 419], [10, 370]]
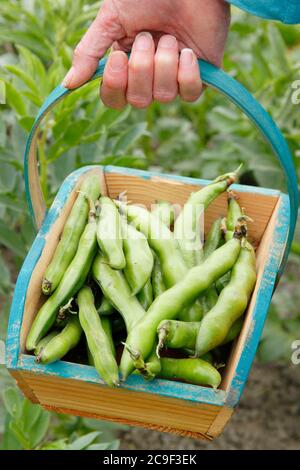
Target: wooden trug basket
[[164, 405], [181, 408]]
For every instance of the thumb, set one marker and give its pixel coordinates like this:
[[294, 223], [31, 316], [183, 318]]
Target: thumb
[[104, 30]]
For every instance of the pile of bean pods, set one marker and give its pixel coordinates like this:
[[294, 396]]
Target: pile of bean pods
[[149, 294]]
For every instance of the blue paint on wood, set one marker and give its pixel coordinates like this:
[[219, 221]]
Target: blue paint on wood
[[135, 383], [262, 304]]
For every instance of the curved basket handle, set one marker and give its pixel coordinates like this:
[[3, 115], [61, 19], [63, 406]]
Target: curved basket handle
[[211, 76]]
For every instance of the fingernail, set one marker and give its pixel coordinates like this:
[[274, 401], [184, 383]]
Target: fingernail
[[117, 61], [187, 57], [68, 78], [168, 42], [143, 42]]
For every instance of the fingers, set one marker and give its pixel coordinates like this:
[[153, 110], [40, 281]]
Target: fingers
[[151, 75], [165, 87], [104, 30], [189, 80], [114, 85], [140, 71]]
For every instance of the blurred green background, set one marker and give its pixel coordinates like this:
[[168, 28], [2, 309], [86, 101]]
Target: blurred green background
[[203, 139]]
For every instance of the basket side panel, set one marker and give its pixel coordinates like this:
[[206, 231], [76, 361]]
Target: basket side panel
[[119, 403], [24, 386], [269, 256], [148, 189]]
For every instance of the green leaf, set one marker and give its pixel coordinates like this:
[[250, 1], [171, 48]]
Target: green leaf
[[9, 441], [60, 444], [39, 430], [278, 49], [127, 138], [114, 445], [5, 282], [14, 100], [12, 402], [11, 240], [26, 122], [84, 441], [23, 76], [75, 131]]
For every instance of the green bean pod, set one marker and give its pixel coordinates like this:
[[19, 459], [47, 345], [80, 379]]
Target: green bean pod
[[194, 371], [169, 304], [109, 234], [150, 369], [163, 243], [98, 342], [66, 249], [232, 302], [71, 282], [213, 239], [106, 308], [209, 298], [164, 210], [145, 296], [160, 239], [176, 334], [139, 258], [234, 213], [116, 289], [157, 279], [44, 341], [187, 228], [62, 343], [107, 327]]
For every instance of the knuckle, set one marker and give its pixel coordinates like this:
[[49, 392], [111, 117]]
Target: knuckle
[[164, 96], [163, 59], [141, 66], [138, 101], [112, 82]]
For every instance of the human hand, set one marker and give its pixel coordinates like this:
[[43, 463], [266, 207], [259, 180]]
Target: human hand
[[166, 37]]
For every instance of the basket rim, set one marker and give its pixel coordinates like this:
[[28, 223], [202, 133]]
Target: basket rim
[[179, 390]]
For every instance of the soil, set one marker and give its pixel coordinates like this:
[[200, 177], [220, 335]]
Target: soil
[[267, 418]]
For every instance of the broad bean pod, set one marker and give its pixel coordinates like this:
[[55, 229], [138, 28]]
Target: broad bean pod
[[62, 343], [109, 234], [116, 289], [65, 251], [71, 282], [195, 371], [168, 305], [139, 258], [164, 210], [186, 228], [231, 304], [163, 243], [176, 334], [99, 344]]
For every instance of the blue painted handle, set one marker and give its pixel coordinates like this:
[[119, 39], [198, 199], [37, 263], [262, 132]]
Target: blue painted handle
[[213, 77]]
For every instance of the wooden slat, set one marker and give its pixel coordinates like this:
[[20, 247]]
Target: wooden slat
[[117, 403], [153, 427], [23, 385], [220, 422], [147, 191]]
